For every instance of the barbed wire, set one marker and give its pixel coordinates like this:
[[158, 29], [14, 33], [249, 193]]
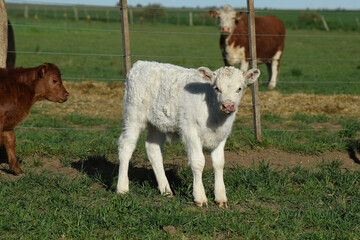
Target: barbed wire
[[186, 57], [241, 105], [192, 57], [185, 9], [94, 78], [185, 33], [234, 131]]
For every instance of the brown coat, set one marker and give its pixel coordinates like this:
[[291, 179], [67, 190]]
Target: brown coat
[[20, 88]]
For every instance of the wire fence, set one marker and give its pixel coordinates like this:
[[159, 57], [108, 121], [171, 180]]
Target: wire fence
[[92, 54]]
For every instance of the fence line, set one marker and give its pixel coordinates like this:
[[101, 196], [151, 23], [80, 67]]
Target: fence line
[[241, 105], [75, 54], [287, 82], [190, 57], [203, 9], [184, 33], [95, 78], [185, 57], [235, 131]]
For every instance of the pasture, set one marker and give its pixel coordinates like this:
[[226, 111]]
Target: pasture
[[301, 182]]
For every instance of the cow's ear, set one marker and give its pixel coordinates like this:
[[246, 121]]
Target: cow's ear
[[207, 74], [251, 76], [43, 69], [213, 13], [239, 15]]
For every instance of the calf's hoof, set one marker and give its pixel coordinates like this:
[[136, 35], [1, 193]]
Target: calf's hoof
[[222, 204], [17, 170], [200, 204]]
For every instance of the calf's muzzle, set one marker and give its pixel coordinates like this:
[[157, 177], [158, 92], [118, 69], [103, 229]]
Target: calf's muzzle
[[228, 108]]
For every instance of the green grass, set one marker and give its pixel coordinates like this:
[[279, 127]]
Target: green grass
[[321, 203], [74, 136], [313, 62], [336, 19], [264, 204]]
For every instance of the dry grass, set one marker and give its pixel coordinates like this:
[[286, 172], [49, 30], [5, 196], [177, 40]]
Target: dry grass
[[99, 99]]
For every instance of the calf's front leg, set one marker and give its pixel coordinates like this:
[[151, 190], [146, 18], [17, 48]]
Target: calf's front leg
[[197, 163], [218, 161], [8, 139]]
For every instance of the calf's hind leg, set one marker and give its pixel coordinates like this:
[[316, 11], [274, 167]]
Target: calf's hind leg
[[127, 144], [8, 139], [154, 142]]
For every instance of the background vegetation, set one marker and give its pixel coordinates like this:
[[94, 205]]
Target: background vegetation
[[286, 203]]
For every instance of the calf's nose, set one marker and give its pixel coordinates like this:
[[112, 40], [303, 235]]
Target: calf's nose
[[65, 96], [228, 108], [225, 30]]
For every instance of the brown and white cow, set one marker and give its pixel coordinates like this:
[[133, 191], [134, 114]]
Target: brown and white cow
[[234, 40], [20, 88]]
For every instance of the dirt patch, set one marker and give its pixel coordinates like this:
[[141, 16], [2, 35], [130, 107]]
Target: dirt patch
[[98, 99], [278, 160]]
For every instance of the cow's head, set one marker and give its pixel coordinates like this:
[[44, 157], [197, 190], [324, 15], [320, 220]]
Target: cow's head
[[227, 18], [229, 83], [49, 85]]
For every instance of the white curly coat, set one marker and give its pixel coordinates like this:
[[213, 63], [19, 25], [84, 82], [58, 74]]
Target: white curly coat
[[171, 101]]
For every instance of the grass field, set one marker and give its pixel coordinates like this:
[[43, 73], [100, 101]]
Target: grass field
[[330, 60], [69, 151]]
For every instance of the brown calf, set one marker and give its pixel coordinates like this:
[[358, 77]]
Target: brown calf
[[20, 88], [234, 40]]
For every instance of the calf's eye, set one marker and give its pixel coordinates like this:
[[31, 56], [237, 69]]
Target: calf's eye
[[217, 90], [54, 81], [239, 90]]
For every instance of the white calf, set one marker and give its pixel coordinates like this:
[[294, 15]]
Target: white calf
[[197, 104]]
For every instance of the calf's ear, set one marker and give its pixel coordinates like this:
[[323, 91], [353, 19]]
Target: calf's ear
[[207, 74], [251, 76], [213, 13], [43, 69]]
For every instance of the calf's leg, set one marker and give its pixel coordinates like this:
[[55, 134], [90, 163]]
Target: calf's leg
[[127, 144], [197, 163], [217, 157], [8, 139], [154, 142]]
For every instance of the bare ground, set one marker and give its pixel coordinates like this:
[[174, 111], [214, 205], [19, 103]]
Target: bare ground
[[278, 160], [100, 99], [92, 98]]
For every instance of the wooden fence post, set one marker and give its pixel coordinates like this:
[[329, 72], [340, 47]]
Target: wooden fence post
[[76, 14], [190, 19], [125, 36], [26, 11], [131, 16], [324, 22], [3, 34], [253, 64]]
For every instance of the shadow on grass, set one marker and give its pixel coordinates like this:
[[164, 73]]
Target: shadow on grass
[[3, 156], [4, 159], [98, 167], [353, 147]]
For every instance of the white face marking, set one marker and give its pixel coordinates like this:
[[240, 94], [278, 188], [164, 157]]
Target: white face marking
[[227, 17]]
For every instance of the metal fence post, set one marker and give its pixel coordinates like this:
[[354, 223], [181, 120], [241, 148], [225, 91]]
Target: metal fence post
[[253, 64]]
